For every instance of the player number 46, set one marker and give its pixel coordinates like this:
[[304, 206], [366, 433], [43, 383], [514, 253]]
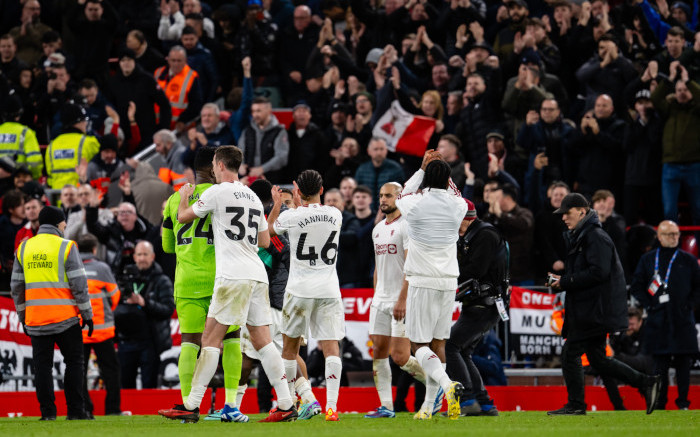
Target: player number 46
[[312, 256]]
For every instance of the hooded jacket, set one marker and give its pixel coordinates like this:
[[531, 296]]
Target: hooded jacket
[[596, 294]]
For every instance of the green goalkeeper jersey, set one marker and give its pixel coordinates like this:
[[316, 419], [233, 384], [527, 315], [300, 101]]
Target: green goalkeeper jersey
[[193, 245]]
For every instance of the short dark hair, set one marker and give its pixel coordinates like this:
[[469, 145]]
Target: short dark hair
[[287, 190], [453, 139], [189, 30], [362, 189], [140, 37], [261, 99], [7, 36], [87, 84], [634, 312], [87, 243], [676, 31], [194, 16], [11, 200], [50, 36], [203, 159], [263, 189], [608, 37], [231, 156], [437, 175], [601, 195], [511, 191], [560, 184], [310, 183]]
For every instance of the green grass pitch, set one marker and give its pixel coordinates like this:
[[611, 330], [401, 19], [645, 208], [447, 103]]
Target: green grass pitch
[[530, 424]]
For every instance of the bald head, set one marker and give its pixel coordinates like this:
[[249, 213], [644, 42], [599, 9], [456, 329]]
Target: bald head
[[144, 255], [302, 18], [604, 107], [668, 234]]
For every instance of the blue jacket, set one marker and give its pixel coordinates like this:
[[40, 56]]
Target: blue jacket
[[374, 177], [202, 61]]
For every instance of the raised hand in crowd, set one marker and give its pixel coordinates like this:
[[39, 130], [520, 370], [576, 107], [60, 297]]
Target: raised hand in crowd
[[588, 122], [541, 160], [462, 36], [477, 31], [246, 64], [468, 173], [585, 14], [111, 113], [502, 14], [353, 85], [131, 112], [532, 117]]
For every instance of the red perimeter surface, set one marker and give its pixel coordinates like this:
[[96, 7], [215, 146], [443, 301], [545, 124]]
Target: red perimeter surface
[[352, 399]]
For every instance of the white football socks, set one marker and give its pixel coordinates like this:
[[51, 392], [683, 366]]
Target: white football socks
[[240, 392], [334, 369], [303, 389], [382, 380], [271, 361], [290, 369], [203, 372], [413, 368], [432, 366]]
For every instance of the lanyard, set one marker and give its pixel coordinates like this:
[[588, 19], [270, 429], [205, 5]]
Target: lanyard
[[670, 263]]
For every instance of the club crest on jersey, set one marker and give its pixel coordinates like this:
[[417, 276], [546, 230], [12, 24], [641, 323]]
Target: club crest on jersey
[[200, 204]]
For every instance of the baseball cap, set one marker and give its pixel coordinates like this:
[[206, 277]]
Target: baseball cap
[[257, 3], [374, 55], [483, 45], [301, 104], [529, 56], [33, 190], [682, 6], [340, 106], [495, 134], [72, 114], [642, 94], [572, 200], [127, 53]]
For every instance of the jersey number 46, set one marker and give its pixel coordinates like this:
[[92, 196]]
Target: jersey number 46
[[312, 256]]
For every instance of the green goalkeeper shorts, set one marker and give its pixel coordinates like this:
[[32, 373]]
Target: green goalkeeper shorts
[[192, 314]]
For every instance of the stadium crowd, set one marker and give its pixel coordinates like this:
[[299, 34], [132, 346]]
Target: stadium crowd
[[531, 100]]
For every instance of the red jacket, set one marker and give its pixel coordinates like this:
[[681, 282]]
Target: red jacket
[[25, 233]]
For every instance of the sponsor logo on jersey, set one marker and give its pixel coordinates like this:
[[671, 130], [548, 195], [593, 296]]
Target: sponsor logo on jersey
[[383, 249]]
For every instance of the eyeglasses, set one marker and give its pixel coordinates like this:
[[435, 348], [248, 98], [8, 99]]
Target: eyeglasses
[[125, 212], [670, 234], [548, 109]]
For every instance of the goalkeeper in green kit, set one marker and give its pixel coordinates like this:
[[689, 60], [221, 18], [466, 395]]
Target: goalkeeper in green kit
[[193, 245]]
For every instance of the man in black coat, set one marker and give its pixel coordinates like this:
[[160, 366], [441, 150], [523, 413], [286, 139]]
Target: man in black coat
[[595, 305], [132, 84], [142, 319], [482, 256], [667, 284]]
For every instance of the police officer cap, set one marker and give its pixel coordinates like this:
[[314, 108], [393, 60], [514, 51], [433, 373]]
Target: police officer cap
[[573, 200], [72, 114], [12, 107], [50, 215]]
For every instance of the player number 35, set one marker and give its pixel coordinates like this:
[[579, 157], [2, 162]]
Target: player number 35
[[253, 221]]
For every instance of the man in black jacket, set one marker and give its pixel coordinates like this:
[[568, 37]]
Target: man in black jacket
[[142, 318], [131, 84], [483, 258], [667, 284], [595, 305]]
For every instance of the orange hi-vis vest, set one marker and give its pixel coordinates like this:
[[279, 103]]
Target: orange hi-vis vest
[[170, 177], [104, 297], [177, 90], [48, 297]]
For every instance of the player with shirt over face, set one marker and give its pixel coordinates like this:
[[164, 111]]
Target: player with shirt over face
[[312, 299], [193, 244], [241, 284], [433, 209], [386, 319]]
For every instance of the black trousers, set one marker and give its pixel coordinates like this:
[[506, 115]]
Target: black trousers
[[594, 348], [682, 364], [473, 323], [135, 355], [70, 343], [109, 372]]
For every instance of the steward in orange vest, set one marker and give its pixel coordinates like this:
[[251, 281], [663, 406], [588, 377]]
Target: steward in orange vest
[[104, 297], [50, 291], [181, 86]]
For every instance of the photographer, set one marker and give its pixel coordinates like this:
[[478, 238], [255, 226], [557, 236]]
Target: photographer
[[143, 318], [595, 305], [482, 255]]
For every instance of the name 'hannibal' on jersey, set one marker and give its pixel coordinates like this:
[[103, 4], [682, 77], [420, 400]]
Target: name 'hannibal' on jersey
[[313, 231], [237, 215], [390, 242]]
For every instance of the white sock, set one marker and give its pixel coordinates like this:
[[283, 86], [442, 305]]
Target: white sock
[[431, 389], [271, 361], [240, 392], [303, 389], [203, 372], [290, 369], [413, 368], [334, 369], [382, 380], [432, 366]]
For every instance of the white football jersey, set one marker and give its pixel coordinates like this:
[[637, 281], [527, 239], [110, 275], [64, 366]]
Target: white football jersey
[[313, 232], [390, 240], [237, 215]]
